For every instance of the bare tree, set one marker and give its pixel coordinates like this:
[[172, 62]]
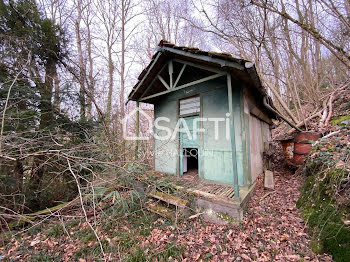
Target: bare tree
[[108, 15]]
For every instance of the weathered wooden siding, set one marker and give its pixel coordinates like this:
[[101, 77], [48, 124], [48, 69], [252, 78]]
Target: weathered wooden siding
[[215, 155], [259, 133], [165, 158]]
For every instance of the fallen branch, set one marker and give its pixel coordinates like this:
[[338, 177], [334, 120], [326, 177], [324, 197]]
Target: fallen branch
[[301, 123], [6, 103], [330, 109], [326, 112], [327, 136], [195, 216], [83, 208], [266, 195]]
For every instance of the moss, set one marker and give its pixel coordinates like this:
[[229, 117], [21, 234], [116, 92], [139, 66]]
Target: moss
[[331, 148], [316, 246], [226, 217], [318, 202], [171, 199], [162, 211], [337, 120], [55, 231]]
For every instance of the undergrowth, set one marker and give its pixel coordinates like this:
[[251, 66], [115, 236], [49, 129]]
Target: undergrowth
[[325, 197]]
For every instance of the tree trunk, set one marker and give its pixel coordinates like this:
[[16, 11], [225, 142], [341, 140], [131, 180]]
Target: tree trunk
[[82, 68], [110, 84], [91, 82], [56, 99]]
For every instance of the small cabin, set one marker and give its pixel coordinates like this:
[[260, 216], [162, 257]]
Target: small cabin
[[216, 110]]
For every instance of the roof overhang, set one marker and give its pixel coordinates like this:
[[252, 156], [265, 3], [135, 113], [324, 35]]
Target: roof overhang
[[240, 69]]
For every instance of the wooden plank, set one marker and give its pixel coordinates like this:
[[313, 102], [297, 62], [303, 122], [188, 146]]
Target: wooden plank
[[163, 82], [220, 191], [183, 86], [268, 180], [180, 74], [162, 211], [152, 82], [213, 197], [232, 194], [173, 200], [147, 73], [137, 128], [232, 136], [171, 71], [207, 68], [227, 191], [218, 61]]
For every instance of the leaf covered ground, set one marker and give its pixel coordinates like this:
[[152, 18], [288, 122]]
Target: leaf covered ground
[[272, 230]]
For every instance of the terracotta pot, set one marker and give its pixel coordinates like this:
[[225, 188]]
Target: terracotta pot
[[304, 136], [298, 158], [302, 148]]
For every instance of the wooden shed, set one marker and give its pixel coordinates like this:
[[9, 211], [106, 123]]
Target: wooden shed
[[197, 87]]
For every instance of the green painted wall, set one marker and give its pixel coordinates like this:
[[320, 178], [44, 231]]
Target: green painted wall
[[215, 155], [166, 152]]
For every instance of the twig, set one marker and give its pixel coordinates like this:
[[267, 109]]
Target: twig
[[6, 104], [327, 136], [266, 195], [83, 208]]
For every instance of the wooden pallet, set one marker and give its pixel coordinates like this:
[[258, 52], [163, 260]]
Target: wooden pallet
[[217, 190]]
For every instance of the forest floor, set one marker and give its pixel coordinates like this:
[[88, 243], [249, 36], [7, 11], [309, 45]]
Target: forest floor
[[272, 230]]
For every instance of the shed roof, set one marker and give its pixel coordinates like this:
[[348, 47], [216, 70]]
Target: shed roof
[[240, 68]]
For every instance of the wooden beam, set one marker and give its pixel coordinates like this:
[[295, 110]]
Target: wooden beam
[[154, 79], [232, 136], [171, 71], [147, 73], [184, 86], [201, 80], [137, 128], [180, 74], [218, 61], [207, 68], [163, 82]]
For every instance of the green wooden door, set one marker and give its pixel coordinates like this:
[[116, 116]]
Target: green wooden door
[[190, 138]]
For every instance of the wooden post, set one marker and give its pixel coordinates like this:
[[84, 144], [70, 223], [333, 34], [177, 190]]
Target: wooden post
[[171, 70], [232, 136], [137, 128]]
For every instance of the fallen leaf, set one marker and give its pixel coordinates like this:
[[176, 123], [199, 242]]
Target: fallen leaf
[[284, 237], [34, 242], [194, 216]]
